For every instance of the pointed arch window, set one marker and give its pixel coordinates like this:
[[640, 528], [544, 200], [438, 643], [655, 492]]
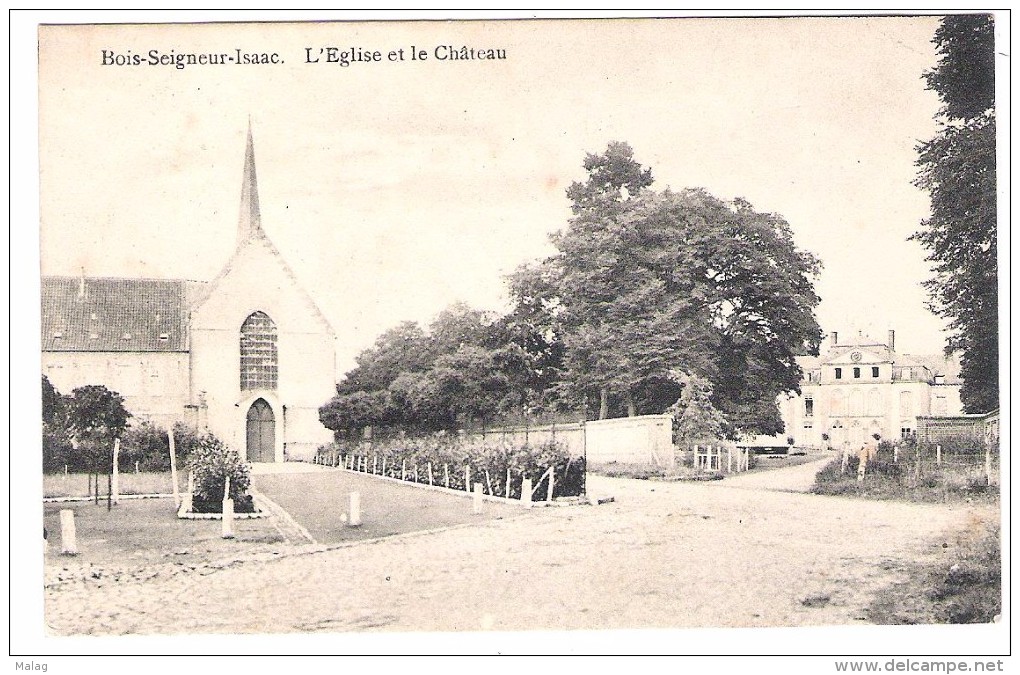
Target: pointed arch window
[[258, 352]]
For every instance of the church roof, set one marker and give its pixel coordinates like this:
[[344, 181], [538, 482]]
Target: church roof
[[82, 314]]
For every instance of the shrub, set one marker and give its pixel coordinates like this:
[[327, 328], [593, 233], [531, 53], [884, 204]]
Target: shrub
[[212, 462], [148, 445], [57, 451]]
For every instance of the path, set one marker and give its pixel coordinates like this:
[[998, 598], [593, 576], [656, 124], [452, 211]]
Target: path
[[797, 478], [661, 555]]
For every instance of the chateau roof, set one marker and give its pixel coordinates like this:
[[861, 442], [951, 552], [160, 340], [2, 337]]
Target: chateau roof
[[81, 314]]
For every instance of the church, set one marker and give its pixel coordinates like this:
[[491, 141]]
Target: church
[[862, 386], [247, 356]]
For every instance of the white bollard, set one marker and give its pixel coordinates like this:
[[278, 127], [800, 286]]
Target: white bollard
[[115, 479], [68, 537], [354, 519], [477, 501], [136, 466], [228, 518], [526, 493]]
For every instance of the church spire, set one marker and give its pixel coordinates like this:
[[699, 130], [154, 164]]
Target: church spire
[[250, 223]]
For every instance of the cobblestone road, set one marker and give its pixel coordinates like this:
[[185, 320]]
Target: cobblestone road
[[660, 555]]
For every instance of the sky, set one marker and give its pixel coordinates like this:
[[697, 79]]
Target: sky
[[394, 189]]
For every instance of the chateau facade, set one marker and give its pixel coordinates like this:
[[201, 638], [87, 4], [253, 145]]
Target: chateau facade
[[247, 356], [860, 387]]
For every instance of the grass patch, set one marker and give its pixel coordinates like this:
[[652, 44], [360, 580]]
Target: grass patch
[[141, 532], [962, 585], [144, 483], [886, 480]]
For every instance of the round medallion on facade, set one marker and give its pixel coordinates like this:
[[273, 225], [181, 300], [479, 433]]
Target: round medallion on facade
[[855, 356]]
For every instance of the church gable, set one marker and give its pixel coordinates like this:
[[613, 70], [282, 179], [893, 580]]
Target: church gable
[[258, 280]]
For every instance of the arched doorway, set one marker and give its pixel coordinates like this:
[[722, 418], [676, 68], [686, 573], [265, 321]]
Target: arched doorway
[[261, 432]]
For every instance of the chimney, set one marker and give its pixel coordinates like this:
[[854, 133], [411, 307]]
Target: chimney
[[892, 340], [833, 338]]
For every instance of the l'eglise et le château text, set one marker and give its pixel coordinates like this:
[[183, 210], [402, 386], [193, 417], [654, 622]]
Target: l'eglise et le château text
[[337, 55]]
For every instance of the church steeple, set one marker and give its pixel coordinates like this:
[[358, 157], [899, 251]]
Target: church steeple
[[250, 223]]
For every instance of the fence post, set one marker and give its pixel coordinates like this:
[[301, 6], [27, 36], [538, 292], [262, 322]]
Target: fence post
[[188, 502], [552, 484], [416, 472], [488, 482], [917, 463], [136, 467], [526, 493], [477, 501], [507, 486], [375, 459], [446, 474], [403, 469], [430, 472], [988, 463], [384, 466], [354, 517], [68, 538], [896, 454], [938, 455], [173, 468], [467, 477], [729, 459]]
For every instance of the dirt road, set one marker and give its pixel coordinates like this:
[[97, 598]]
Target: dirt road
[[729, 553]]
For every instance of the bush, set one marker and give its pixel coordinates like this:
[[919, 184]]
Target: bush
[[212, 462], [57, 451], [148, 445]]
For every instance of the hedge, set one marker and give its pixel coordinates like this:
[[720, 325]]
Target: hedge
[[410, 459]]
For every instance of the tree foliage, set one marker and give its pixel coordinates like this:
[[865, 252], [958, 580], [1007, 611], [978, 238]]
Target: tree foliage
[[96, 417], [470, 366], [957, 168], [694, 417], [659, 281]]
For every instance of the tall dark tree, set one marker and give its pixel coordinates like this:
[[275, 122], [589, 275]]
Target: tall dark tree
[[612, 176], [647, 284], [957, 168]]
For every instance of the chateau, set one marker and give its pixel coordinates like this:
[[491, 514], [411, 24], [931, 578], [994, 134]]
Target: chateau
[[862, 386], [247, 356]]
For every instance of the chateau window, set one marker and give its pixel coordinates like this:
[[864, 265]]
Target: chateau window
[[839, 373], [857, 373], [258, 353], [809, 407], [874, 371]]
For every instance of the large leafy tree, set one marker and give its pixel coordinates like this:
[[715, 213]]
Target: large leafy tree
[[957, 168], [649, 282], [95, 418]]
